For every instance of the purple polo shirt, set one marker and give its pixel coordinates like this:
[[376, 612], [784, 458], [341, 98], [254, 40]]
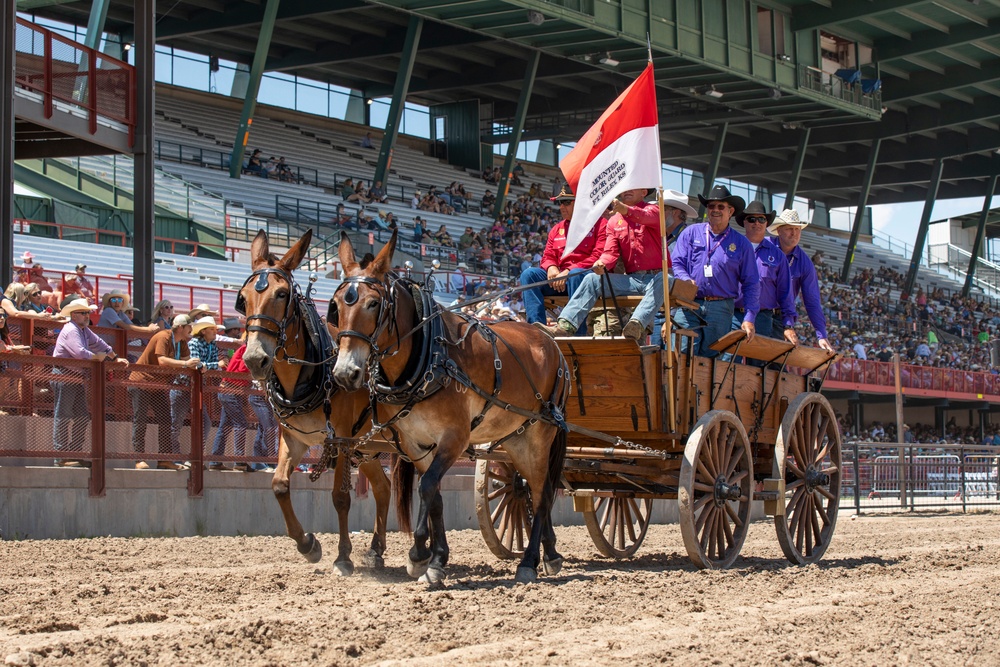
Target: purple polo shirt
[[804, 281], [734, 267], [775, 283]]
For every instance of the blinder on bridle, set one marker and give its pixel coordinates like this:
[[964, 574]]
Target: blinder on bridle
[[260, 285], [386, 311]]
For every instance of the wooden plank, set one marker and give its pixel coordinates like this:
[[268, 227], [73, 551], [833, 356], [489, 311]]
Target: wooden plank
[[763, 348]]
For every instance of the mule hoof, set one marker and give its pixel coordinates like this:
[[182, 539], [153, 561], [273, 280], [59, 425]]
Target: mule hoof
[[550, 568], [373, 561], [416, 568], [311, 548], [525, 575], [433, 577], [343, 568]]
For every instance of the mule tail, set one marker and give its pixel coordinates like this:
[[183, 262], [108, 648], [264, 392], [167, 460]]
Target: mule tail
[[403, 472], [557, 456]]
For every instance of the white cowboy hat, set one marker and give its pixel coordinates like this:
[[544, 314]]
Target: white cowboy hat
[[462, 265], [76, 306], [787, 217], [202, 309], [679, 200], [201, 324]]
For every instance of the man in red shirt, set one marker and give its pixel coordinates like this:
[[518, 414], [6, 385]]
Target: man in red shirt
[[633, 236], [566, 273]]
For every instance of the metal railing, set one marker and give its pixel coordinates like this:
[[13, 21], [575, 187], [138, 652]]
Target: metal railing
[[66, 72], [935, 381], [172, 151], [956, 477], [818, 81]]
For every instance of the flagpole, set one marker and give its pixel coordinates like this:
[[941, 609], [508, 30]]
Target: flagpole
[[667, 325]]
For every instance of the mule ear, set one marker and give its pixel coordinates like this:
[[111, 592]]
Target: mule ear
[[294, 256], [259, 249], [383, 262], [346, 253]]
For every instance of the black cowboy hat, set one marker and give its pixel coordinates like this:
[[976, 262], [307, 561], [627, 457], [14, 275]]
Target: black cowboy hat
[[721, 193], [564, 195], [754, 208]]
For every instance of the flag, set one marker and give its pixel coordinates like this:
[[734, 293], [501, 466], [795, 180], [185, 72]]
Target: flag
[[620, 152]]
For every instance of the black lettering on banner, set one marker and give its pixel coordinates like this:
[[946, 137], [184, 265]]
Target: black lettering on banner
[[607, 181]]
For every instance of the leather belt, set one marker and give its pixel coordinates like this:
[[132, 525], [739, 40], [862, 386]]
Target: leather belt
[[773, 311], [644, 273], [715, 298]]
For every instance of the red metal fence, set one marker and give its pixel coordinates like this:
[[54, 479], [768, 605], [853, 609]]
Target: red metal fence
[[67, 72], [923, 380]]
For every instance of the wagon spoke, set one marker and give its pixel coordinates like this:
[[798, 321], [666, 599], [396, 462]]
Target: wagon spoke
[[794, 485], [831, 470], [733, 515], [703, 517], [703, 468], [825, 492], [714, 445], [706, 534], [795, 469], [633, 512], [822, 512], [701, 502], [501, 506], [734, 460], [506, 488], [707, 488], [728, 532]]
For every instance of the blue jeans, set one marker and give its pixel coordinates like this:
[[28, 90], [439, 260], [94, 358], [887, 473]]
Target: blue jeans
[[649, 285], [71, 405], [534, 298], [231, 418], [267, 428], [718, 316], [180, 407]]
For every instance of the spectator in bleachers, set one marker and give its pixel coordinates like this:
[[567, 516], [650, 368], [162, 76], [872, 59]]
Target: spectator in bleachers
[[458, 281], [75, 341], [84, 286], [13, 297], [416, 199], [486, 204], [33, 300], [201, 310], [377, 193], [429, 203], [516, 173], [165, 348], [31, 272], [271, 167], [201, 346], [163, 314], [361, 192], [347, 191], [6, 344], [113, 315], [284, 171], [254, 165], [366, 141]]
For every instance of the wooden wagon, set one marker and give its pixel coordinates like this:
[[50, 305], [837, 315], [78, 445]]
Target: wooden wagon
[[733, 433]]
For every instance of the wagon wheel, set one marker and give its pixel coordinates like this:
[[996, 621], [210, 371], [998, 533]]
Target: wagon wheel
[[502, 508], [715, 490], [618, 525], [807, 451]]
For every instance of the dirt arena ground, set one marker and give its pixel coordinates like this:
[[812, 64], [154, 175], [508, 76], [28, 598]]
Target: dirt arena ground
[[914, 590]]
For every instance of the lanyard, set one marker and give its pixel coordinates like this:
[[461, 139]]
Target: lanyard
[[708, 242], [177, 347]]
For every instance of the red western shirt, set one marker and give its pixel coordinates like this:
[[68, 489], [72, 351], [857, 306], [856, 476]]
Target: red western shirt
[[583, 256], [635, 238]]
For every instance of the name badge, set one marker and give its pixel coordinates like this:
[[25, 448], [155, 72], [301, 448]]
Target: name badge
[[708, 270]]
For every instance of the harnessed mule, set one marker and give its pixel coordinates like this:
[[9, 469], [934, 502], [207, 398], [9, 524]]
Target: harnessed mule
[[290, 353], [443, 380]]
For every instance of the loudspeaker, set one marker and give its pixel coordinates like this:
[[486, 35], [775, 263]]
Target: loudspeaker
[[213, 63]]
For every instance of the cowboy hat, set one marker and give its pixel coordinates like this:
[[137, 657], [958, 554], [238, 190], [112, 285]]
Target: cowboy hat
[[27, 256], [787, 217], [201, 324], [81, 266], [566, 194], [114, 293], [754, 208], [679, 200], [76, 306], [462, 265], [721, 193], [200, 310], [232, 323]]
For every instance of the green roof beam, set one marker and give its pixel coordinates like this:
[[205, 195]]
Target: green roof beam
[[409, 56], [811, 17]]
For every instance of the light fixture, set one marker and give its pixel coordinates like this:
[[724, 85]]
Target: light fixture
[[709, 91], [784, 57], [774, 94], [609, 61], [127, 46], [535, 18], [558, 147], [369, 101], [885, 109]]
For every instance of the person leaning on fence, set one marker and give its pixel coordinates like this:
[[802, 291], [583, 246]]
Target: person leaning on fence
[[566, 273], [721, 262], [166, 348], [75, 341], [232, 417], [202, 347]]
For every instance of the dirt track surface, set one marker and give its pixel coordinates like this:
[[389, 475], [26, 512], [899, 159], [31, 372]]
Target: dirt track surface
[[917, 590]]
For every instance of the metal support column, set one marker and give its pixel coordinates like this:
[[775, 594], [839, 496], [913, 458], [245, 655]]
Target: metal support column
[[515, 136], [800, 158], [977, 245], [925, 223], [866, 187], [713, 166], [409, 56], [92, 40], [8, 49], [253, 85], [144, 172]]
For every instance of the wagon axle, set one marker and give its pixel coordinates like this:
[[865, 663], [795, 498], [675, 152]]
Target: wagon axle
[[816, 478], [726, 492]]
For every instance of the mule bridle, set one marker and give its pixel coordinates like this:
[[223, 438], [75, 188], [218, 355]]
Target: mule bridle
[[260, 285], [386, 318]]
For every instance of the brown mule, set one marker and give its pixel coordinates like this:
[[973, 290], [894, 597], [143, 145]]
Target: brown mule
[[489, 381], [276, 332]]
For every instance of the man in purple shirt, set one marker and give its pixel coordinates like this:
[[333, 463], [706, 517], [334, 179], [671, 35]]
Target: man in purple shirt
[[777, 305], [802, 274], [721, 262], [75, 341]]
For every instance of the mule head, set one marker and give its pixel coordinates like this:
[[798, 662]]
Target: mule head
[[362, 308], [266, 300]]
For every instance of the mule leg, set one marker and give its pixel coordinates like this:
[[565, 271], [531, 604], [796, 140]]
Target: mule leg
[[430, 498], [290, 452], [552, 560], [343, 566], [382, 491], [530, 456]]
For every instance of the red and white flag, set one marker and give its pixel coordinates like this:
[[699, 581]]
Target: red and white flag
[[620, 152]]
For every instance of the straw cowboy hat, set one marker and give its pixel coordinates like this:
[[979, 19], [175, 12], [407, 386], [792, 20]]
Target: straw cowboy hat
[[787, 217], [721, 193], [201, 324], [77, 306], [201, 310], [115, 293], [566, 194], [679, 200], [754, 208]]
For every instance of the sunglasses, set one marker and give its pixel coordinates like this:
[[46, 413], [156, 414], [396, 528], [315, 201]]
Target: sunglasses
[[116, 300], [717, 207], [755, 219], [36, 294]]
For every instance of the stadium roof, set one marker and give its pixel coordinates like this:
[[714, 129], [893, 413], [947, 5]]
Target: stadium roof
[[938, 62]]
